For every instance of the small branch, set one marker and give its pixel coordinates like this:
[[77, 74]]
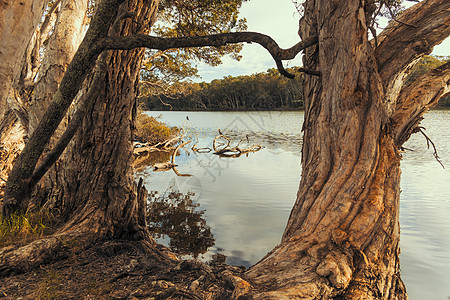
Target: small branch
[[201, 150], [215, 147], [309, 72], [176, 151], [429, 141], [394, 18]]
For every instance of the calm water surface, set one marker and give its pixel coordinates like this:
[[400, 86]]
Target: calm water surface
[[244, 203]]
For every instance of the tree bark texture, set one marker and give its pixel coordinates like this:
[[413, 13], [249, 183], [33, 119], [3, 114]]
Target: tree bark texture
[[97, 185], [342, 237], [64, 41], [17, 188], [18, 20]]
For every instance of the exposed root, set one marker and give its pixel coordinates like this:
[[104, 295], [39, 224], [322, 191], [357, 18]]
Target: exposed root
[[41, 252]]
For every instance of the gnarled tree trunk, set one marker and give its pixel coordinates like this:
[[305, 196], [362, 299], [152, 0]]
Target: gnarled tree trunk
[[99, 197], [67, 34], [342, 237], [18, 21], [97, 185]]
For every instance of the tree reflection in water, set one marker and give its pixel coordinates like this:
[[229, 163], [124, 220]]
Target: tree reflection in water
[[175, 215]]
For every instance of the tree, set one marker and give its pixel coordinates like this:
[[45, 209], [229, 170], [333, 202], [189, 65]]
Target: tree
[[342, 237], [18, 20]]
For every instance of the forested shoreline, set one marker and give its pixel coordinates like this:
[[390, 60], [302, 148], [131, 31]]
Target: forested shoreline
[[260, 91]]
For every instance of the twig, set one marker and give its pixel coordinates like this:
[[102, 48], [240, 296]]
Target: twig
[[429, 141], [394, 18]]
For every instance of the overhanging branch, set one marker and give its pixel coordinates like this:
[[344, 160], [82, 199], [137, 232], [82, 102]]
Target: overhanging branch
[[215, 40], [400, 45]]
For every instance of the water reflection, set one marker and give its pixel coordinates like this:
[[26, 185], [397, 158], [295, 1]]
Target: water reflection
[[177, 216], [143, 161]]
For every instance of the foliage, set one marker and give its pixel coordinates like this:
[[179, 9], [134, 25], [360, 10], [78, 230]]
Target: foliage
[[425, 64], [152, 131], [24, 228], [189, 18], [259, 91]]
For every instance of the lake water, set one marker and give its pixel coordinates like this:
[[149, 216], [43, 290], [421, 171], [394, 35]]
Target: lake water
[[238, 207]]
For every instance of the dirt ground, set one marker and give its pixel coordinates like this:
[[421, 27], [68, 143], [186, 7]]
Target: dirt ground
[[127, 270]]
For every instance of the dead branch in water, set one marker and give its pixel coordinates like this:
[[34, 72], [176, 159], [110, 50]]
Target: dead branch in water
[[169, 165], [200, 150], [235, 151], [221, 144]]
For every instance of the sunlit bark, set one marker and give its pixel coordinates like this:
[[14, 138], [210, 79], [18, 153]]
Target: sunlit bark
[[18, 20], [342, 237]]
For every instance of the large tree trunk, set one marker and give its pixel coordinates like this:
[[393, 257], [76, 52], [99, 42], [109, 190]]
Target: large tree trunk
[[97, 185], [29, 98], [98, 196], [59, 51], [342, 237], [18, 21]]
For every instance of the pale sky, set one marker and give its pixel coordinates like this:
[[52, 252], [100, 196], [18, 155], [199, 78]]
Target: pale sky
[[279, 19]]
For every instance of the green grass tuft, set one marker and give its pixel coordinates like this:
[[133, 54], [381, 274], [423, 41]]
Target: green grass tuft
[[21, 229]]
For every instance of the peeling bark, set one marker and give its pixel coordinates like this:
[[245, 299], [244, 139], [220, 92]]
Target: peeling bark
[[18, 20], [417, 98]]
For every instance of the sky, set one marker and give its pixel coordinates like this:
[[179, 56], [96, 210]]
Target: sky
[[279, 19]]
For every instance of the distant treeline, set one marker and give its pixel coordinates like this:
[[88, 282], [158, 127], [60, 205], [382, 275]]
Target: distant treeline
[[261, 91]]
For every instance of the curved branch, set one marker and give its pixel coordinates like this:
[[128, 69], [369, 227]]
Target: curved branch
[[417, 98], [215, 40], [400, 45]]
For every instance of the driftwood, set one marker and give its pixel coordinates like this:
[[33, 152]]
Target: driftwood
[[223, 149], [169, 165], [201, 150]]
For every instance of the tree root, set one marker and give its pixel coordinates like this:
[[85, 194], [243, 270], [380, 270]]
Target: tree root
[[41, 252]]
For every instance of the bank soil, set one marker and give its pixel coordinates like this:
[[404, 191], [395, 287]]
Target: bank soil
[[126, 270]]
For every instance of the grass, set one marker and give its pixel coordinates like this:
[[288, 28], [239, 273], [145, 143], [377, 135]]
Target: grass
[[21, 229]]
